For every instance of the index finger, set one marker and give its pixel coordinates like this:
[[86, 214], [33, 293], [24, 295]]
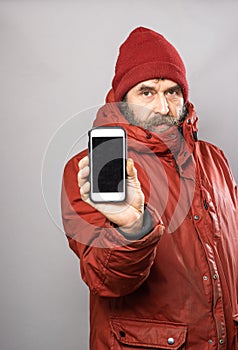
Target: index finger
[[83, 162]]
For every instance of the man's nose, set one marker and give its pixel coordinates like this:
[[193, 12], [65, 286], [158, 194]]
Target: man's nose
[[160, 105]]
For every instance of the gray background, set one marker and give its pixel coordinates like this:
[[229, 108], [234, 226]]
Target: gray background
[[57, 59]]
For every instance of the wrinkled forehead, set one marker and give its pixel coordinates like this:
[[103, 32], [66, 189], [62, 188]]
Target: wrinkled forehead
[[156, 83]]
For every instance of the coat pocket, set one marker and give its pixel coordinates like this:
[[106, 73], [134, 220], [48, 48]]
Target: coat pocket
[[147, 334]]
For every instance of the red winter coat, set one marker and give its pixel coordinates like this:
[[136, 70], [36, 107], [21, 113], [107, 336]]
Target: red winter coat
[[177, 287]]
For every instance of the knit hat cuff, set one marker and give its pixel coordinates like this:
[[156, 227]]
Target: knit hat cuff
[[147, 71]]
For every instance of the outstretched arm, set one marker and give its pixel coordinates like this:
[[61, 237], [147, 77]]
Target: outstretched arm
[[111, 264]]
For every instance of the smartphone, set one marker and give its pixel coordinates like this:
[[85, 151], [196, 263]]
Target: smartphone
[[107, 154]]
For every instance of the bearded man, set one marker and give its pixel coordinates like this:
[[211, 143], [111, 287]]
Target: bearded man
[[162, 267]]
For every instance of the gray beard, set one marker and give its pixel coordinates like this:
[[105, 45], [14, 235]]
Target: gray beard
[[156, 120]]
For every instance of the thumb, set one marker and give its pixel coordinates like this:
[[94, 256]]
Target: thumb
[[130, 169]]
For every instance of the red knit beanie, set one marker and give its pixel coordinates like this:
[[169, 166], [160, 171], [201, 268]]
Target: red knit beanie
[[146, 55]]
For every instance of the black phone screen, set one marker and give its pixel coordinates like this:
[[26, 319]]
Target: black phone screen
[[107, 163]]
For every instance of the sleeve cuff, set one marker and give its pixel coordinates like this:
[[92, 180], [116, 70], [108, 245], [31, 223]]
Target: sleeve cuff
[[145, 230]]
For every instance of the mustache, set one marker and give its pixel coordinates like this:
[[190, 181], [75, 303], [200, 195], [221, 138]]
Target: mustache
[[159, 119]]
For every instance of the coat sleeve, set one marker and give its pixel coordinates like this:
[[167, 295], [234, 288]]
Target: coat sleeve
[[111, 265]]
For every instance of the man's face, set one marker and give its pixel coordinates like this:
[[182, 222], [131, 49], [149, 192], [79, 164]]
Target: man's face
[[155, 105]]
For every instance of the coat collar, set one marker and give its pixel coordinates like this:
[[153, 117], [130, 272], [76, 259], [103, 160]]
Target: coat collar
[[144, 141]]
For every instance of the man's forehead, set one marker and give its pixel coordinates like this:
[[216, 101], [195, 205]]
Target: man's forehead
[[155, 83]]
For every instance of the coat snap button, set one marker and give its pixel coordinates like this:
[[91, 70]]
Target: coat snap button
[[170, 341], [215, 276], [196, 217], [221, 341], [122, 334], [148, 136]]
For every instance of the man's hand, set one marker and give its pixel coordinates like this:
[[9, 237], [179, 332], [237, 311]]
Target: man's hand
[[128, 215]]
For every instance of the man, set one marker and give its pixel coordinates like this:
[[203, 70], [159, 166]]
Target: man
[[162, 267]]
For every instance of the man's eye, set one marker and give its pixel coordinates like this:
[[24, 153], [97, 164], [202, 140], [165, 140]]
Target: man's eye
[[172, 92], [147, 93]]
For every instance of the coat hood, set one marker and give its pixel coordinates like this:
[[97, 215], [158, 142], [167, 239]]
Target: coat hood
[[147, 141]]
